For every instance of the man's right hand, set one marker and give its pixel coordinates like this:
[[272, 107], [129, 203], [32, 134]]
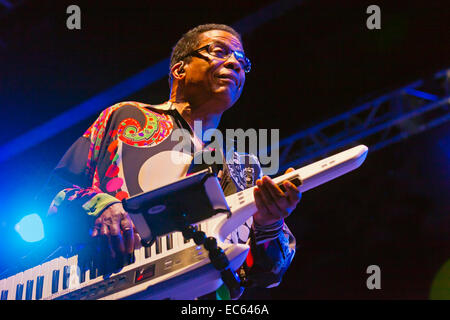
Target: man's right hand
[[115, 227]]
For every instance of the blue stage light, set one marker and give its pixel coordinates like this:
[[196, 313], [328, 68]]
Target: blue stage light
[[30, 228]]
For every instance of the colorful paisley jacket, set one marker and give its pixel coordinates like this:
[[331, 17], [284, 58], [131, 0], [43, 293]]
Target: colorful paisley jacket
[[104, 165]]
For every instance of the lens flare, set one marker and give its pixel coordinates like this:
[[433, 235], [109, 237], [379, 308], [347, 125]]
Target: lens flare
[[30, 228]]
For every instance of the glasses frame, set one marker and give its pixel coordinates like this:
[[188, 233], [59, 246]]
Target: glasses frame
[[237, 54]]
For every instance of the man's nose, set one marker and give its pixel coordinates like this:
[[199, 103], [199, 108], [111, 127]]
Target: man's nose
[[233, 63]]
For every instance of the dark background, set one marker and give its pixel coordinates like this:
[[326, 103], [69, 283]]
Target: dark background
[[315, 61]]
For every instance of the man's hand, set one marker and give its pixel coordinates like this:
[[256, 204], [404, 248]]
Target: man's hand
[[116, 228], [273, 204]]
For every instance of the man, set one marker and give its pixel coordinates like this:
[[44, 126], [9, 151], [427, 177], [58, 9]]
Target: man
[[128, 150]]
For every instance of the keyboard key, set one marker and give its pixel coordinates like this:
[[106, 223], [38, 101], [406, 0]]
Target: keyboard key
[[55, 281], [39, 287], [148, 251], [36, 272], [169, 241], [9, 287], [29, 290], [47, 269], [139, 254], [158, 244], [66, 277], [82, 274], [28, 283], [19, 291]]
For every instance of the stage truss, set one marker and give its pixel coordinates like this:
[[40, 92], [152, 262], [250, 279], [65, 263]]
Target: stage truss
[[391, 118]]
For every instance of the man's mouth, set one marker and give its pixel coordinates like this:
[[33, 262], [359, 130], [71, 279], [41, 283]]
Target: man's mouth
[[229, 78]]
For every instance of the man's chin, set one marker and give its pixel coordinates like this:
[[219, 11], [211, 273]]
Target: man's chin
[[227, 95]]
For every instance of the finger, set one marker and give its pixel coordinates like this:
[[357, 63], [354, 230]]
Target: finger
[[289, 170], [96, 229], [94, 232], [263, 211], [270, 200], [259, 202], [104, 230], [137, 237], [274, 189], [117, 244], [273, 212], [137, 240], [293, 194], [128, 233], [103, 253], [280, 198]]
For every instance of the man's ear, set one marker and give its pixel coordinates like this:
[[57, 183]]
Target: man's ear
[[178, 70]]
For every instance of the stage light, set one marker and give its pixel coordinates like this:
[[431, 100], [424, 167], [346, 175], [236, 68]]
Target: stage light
[[30, 228]]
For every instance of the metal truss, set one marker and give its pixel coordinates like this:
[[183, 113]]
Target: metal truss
[[388, 119]]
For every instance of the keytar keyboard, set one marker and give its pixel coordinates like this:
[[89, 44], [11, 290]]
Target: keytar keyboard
[[171, 268]]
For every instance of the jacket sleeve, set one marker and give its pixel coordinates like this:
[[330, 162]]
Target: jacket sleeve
[[73, 188], [73, 185], [272, 249]]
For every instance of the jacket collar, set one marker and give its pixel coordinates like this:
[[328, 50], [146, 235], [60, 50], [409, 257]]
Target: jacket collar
[[163, 106]]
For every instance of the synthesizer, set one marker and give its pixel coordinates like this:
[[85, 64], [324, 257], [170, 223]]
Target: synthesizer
[[172, 267]]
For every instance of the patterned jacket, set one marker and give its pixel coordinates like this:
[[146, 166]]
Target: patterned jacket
[[125, 152]]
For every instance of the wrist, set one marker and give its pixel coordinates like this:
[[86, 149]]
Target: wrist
[[268, 225]]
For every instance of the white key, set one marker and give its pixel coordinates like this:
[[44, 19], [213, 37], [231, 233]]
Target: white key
[[139, 255], [10, 286], [2, 286], [153, 251], [47, 269], [177, 240], [74, 278]]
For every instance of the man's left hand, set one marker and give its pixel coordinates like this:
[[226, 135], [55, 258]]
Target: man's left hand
[[273, 204]]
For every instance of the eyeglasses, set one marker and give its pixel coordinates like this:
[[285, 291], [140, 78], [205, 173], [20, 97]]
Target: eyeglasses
[[223, 52]]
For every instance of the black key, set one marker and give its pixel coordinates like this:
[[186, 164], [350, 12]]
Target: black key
[[148, 251], [92, 270], [4, 295], [158, 245], [82, 274], [55, 281], [39, 287], [169, 241], [66, 277], [19, 291], [29, 290]]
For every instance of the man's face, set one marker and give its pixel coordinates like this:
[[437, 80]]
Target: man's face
[[208, 77]]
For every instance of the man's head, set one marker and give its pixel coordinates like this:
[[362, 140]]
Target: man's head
[[207, 64]]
